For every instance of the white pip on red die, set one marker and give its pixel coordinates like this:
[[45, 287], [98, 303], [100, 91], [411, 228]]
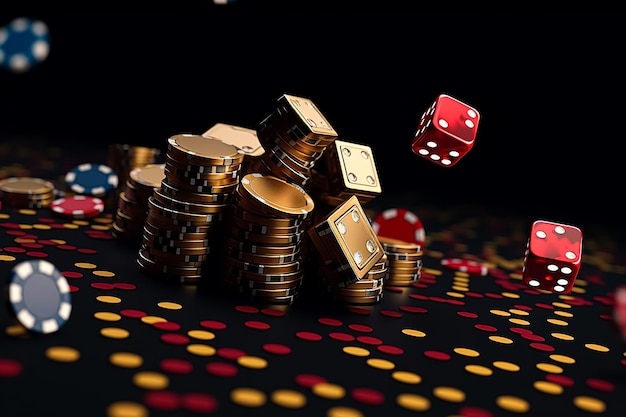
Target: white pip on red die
[[446, 132], [553, 256]]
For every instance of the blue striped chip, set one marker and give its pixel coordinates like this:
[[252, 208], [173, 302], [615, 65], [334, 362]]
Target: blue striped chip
[[40, 296], [92, 179], [24, 43]]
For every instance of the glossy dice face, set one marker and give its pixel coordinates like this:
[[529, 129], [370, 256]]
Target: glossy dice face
[[446, 131], [553, 256]]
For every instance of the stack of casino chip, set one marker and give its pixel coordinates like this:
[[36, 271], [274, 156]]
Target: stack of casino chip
[[185, 213], [132, 203], [350, 260], [262, 260], [404, 261], [27, 192], [292, 141], [123, 158]]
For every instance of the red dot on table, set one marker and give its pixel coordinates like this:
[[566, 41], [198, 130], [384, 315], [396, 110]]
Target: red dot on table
[[161, 400], [533, 337], [393, 288], [221, 369], [455, 302], [46, 220], [562, 380], [362, 328], [391, 313], [471, 411], [174, 338], [102, 285], [274, 312], [310, 336], [600, 384], [523, 307], [198, 402], [247, 309], [494, 295], [329, 321], [369, 340], [132, 313], [391, 350], [257, 325], [545, 306], [542, 346], [359, 310], [277, 348], [176, 366], [420, 297], [368, 396], [31, 245], [340, 336], [520, 330], [485, 327], [13, 249], [420, 285], [124, 286], [413, 309], [308, 380], [87, 251], [213, 324], [66, 247], [230, 353], [467, 314], [71, 274], [438, 355], [169, 326], [437, 299], [473, 294], [74, 288], [10, 368]]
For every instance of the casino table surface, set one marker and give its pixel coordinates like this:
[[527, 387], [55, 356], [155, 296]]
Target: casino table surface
[[450, 344]]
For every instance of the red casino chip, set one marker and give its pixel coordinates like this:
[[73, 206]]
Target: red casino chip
[[401, 224], [465, 265], [78, 206]]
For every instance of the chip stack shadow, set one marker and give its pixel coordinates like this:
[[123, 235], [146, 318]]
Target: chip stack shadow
[[185, 213]]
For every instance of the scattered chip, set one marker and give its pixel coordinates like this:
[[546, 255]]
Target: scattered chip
[[92, 179], [465, 265], [401, 224], [24, 43], [78, 206], [40, 296]]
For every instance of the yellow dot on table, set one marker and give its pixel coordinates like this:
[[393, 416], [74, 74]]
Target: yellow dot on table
[[248, 397], [343, 411], [548, 387], [501, 313], [107, 316], [562, 358], [450, 394], [168, 305], [519, 322], [563, 313], [106, 274], [126, 360], [101, 227], [26, 226], [513, 403], [201, 350], [589, 404], [578, 290], [127, 409], [80, 222], [70, 226], [561, 305], [467, 352], [110, 299], [501, 339], [431, 271], [85, 265], [557, 322], [153, 319], [28, 212], [413, 332], [413, 402], [17, 330], [114, 333], [510, 294], [356, 351], [460, 288], [478, 370], [549, 367], [329, 390], [562, 336], [62, 354], [455, 294], [596, 347], [4, 216], [381, 364], [288, 398], [253, 362], [201, 334], [39, 226], [506, 366], [406, 377], [518, 312], [59, 241], [7, 258], [151, 380]]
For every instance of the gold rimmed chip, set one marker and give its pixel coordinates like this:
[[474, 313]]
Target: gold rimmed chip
[[279, 196]]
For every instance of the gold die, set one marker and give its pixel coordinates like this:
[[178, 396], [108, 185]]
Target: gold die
[[354, 164], [349, 232], [243, 138]]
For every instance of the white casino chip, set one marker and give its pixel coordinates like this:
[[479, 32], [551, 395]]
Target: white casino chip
[[40, 296], [24, 43]]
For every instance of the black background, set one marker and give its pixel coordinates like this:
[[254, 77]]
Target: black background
[[547, 85]]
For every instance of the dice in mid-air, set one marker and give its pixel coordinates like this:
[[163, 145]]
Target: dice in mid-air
[[446, 131], [553, 256]]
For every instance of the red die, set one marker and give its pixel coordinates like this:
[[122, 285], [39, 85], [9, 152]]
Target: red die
[[446, 131], [553, 256], [619, 309]]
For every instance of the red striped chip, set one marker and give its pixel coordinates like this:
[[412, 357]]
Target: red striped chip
[[401, 224], [465, 265], [78, 206]]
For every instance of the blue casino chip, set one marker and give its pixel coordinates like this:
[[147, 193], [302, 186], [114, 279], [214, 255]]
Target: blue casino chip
[[40, 296], [92, 179], [24, 43]]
